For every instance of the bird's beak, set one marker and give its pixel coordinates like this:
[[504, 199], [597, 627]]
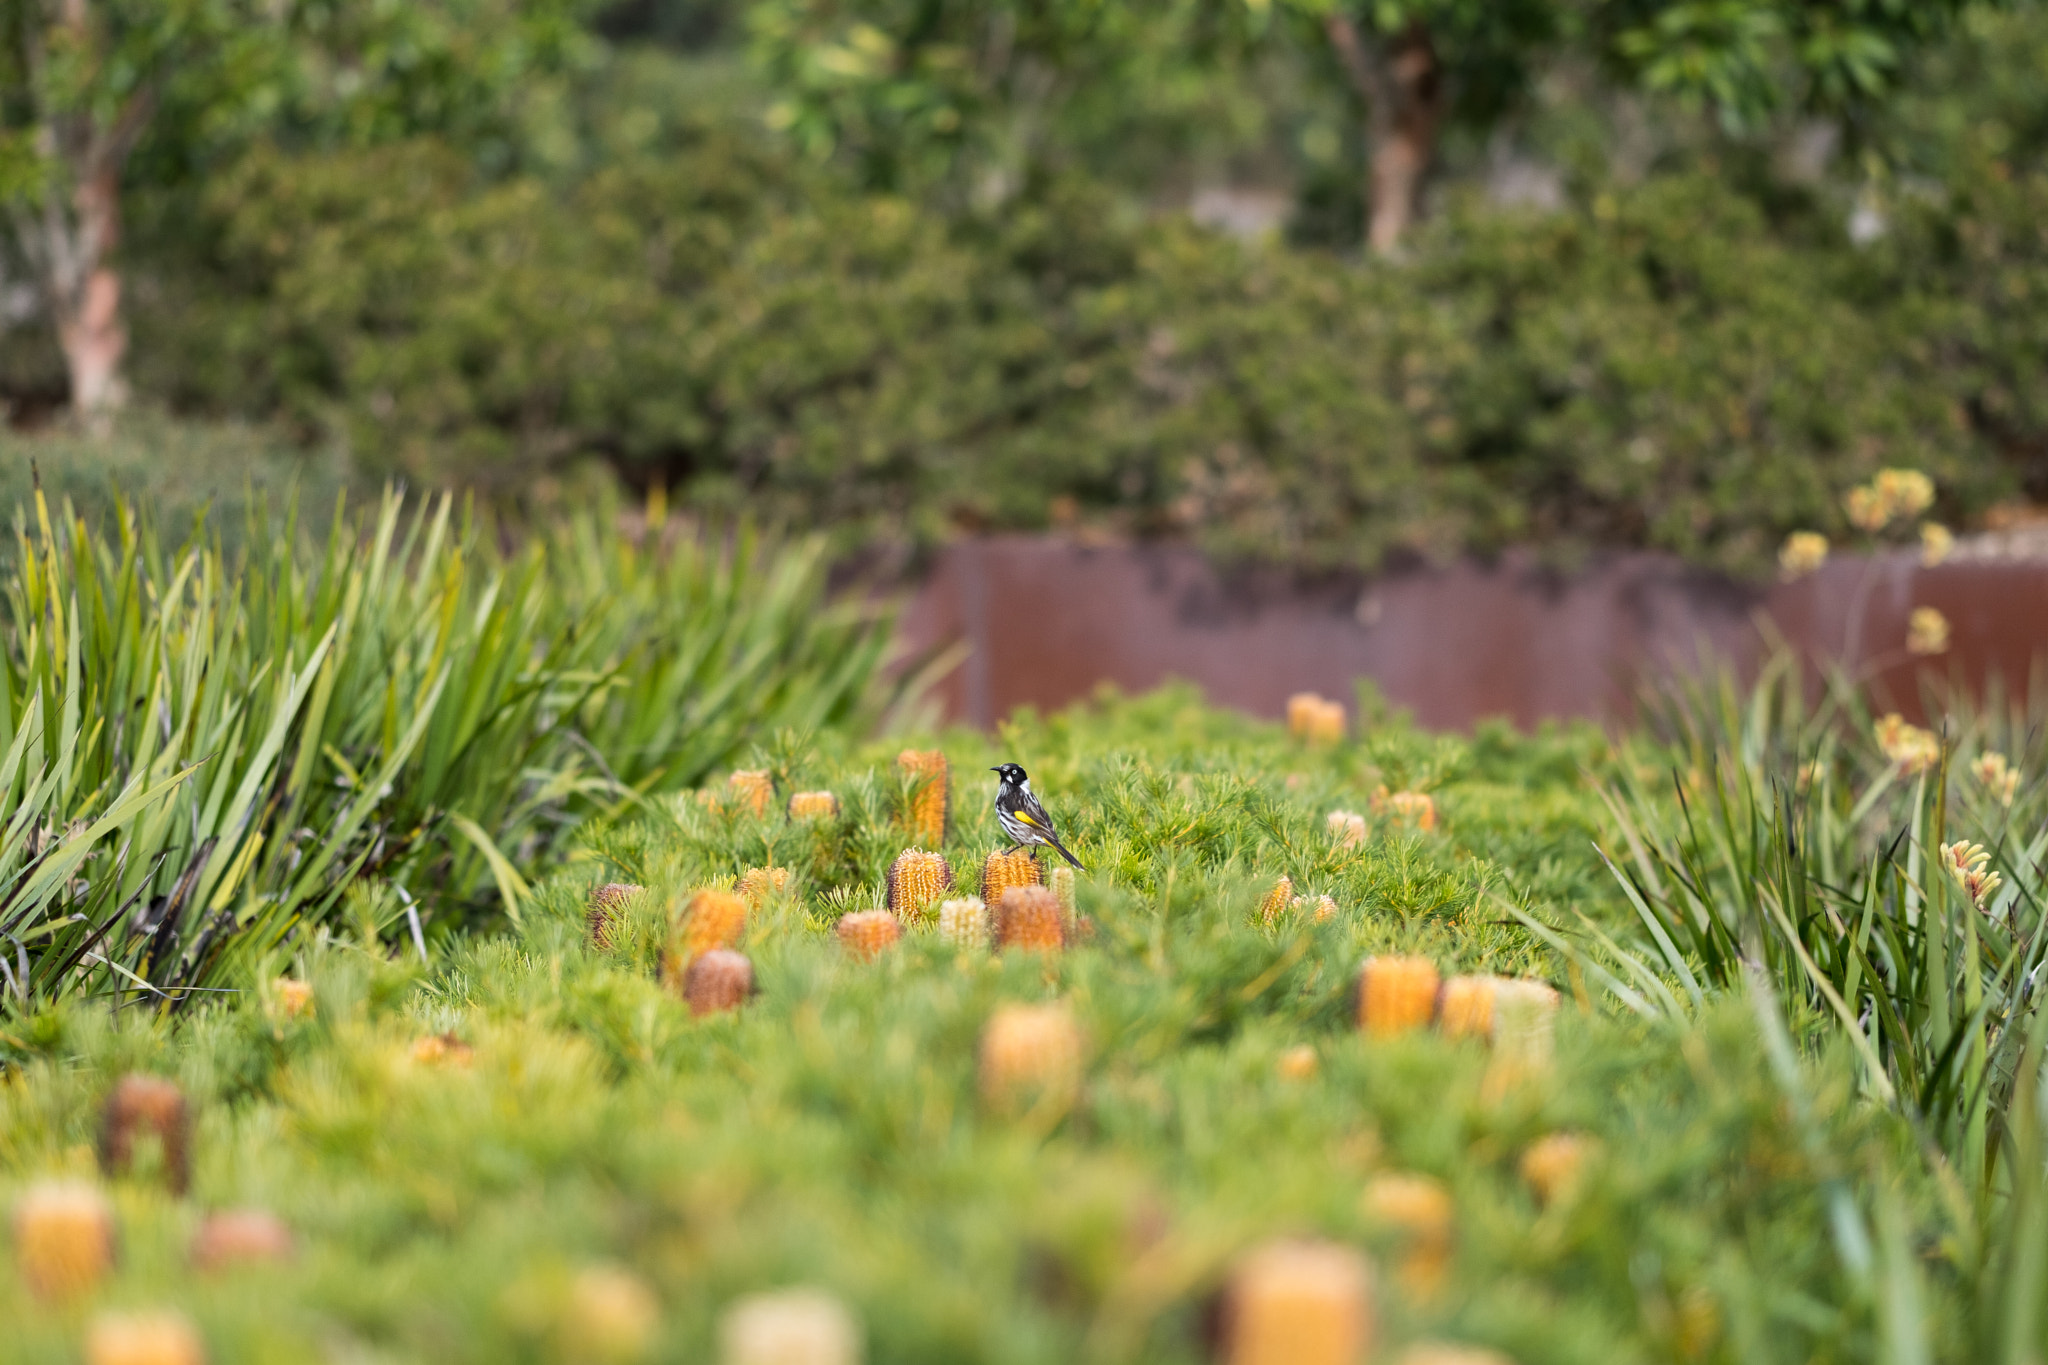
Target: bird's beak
[[995, 770]]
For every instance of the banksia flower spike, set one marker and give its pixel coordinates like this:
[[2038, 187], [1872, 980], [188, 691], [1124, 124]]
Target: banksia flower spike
[[239, 1236], [1911, 748], [611, 1315], [1801, 554], [759, 883], [63, 1238], [1061, 883], [1298, 1063], [1420, 1209], [867, 934], [1968, 864], [291, 999], [931, 804], [1416, 810], [607, 907], [1926, 631], [1465, 1007], [1312, 719], [964, 923], [1450, 1353], [789, 1327], [751, 789], [147, 1106], [1996, 776], [1030, 1053], [917, 879], [1000, 871], [159, 1338], [813, 806], [1347, 828], [1320, 909], [710, 920], [719, 980], [1032, 918], [1553, 1165], [1299, 1303], [443, 1049], [1276, 900], [1396, 994], [1524, 1033]]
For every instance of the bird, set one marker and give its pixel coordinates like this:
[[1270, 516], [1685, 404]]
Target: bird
[[1020, 815]]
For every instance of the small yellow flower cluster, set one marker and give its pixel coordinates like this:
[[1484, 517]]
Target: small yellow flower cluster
[[1997, 776], [1913, 749], [1936, 541], [1967, 864], [1895, 494], [1926, 632], [1801, 554]]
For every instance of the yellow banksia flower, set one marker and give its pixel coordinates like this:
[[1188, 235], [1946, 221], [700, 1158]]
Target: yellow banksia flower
[[813, 806], [710, 919], [1801, 554], [1276, 900], [290, 999], [789, 1327], [147, 1106], [1298, 1063], [751, 789], [1415, 810], [717, 981], [1299, 1303], [759, 883], [1031, 918], [1996, 776], [1031, 1053], [931, 805], [1465, 1007], [606, 909], [63, 1238], [1911, 748], [867, 934], [1419, 1208], [1347, 828], [610, 1316], [916, 880], [1314, 719], [1396, 994], [1936, 543], [1000, 871], [963, 923], [1927, 631], [241, 1237], [162, 1337], [1554, 1165], [1969, 865]]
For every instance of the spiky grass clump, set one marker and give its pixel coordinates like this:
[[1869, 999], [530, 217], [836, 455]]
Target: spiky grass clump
[[916, 880], [1418, 1207], [147, 1106], [1031, 918], [718, 981], [1000, 871], [931, 799], [162, 1337], [757, 884], [964, 923], [710, 919], [606, 908], [63, 1238], [789, 1327], [819, 805], [867, 934], [1299, 1303], [1396, 994], [1276, 900], [1031, 1054], [241, 1236]]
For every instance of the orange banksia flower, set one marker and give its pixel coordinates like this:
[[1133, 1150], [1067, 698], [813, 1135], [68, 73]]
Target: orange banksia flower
[[1415, 810], [719, 980], [1032, 918], [1030, 1053], [1420, 1209], [1996, 776], [1911, 748], [750, 789], [759, 883], [159, 1338], [931, 807], [963, 923], [291, 999], [443, 1049], [813, 806], [1396, 994], [147, 1106], [1465, 1007], [63, 1238], [1000, 871], [607, 907], [916, 880], [789, 1327], [1313, 719], [1554, 1165], [1347, 828], [1276, 900], [1299, 1303], [1298, 1063], [710, 919], [1926, 631], [240, 1236], [866, 934]]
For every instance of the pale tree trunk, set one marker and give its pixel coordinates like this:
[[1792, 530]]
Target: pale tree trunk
[[1402, 90]]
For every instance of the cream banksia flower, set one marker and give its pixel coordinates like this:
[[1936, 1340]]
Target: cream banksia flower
[[1030, 1053], [867, 934], [163, 1337], [1911, 748], [1031, 918], [1418, 1207], [1996, 776], [917, 879], [1395, 994], [931, 804], [789, 1327], [63, 1238], [964, 923], [147, 1106], [813, 806], [1347, 828], [1319, 909], [1926, 631], [1968, 864], [1801, 554], [1299, 1303]]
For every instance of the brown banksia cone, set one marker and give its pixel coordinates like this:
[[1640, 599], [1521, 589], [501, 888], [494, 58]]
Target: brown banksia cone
[[719, 980], [1419, 1208], [1000, 871], [751, 790], [1276, 900], [916, 880], [759, 883], [813, 806], [1030, 1053], [163, 1337], [147, 1106], [789, 1327], [610, 1316], [63, 1238], [710, 919], [931, 804], [964, 923], [1030, 917], [867, 934], [607, 907], [1347, 828], [1554, 1165], [1299, 1303], [240, 1236], [1395, 994]]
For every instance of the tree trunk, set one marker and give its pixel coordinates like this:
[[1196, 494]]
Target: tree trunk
[[1402, 90], [87, 306]]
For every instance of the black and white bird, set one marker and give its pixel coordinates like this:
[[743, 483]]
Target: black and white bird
[[1022, 818]]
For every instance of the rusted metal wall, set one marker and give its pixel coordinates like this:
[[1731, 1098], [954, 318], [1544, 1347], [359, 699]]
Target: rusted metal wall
[[1047, 620]]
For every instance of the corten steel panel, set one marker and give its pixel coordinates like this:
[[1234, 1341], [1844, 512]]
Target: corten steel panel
[[1047, 621]]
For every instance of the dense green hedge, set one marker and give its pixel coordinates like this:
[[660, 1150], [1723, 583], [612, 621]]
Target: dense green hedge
[[1679, 364]]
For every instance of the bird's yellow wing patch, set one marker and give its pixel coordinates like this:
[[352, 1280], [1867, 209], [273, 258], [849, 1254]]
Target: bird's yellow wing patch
[[1027, 818]]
